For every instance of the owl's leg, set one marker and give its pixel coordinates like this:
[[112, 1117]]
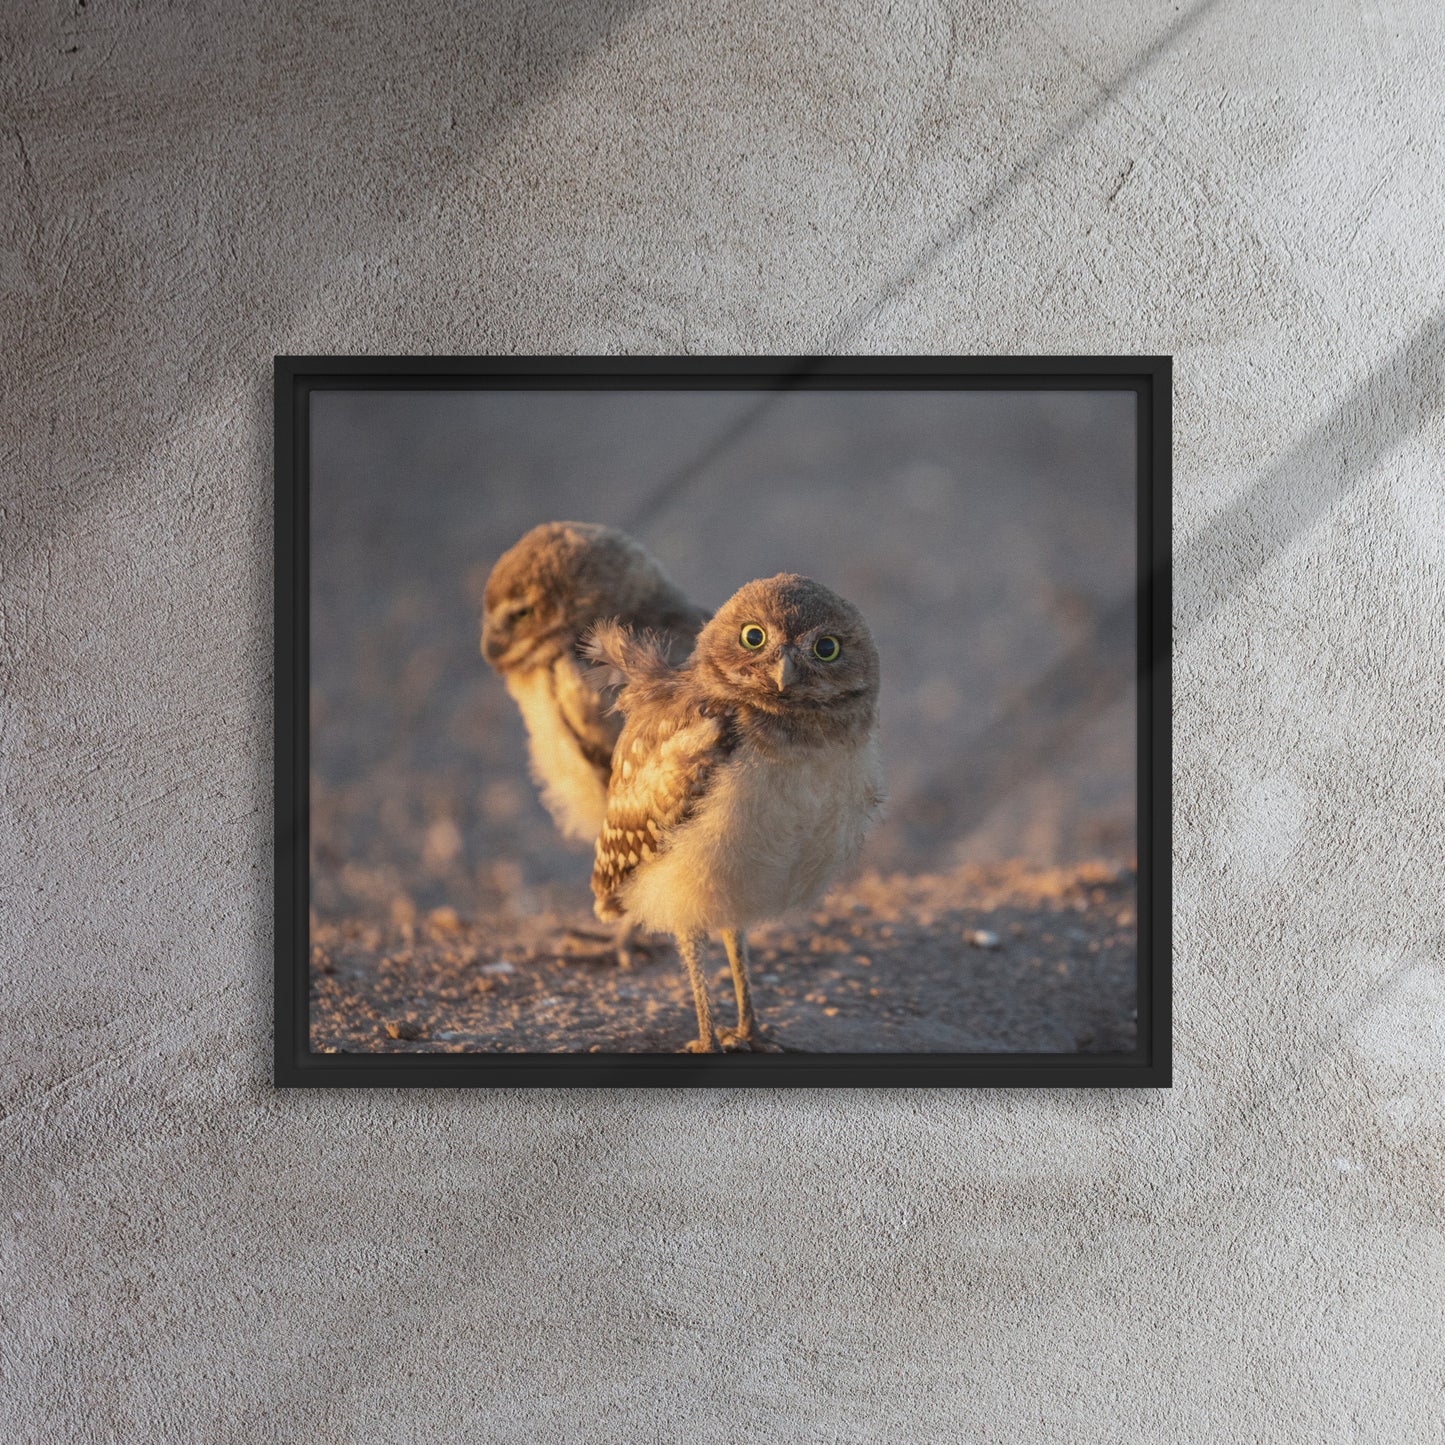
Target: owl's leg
[[747, 1035], [706, 1040]]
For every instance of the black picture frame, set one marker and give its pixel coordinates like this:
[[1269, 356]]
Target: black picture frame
[[1148, 1065]]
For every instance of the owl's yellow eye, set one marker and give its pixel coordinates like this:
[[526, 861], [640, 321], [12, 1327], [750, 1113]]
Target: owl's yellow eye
[[826, 649], [753, 636]]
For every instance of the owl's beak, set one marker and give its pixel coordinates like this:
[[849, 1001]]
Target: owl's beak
[[493, 643], [785, 671]]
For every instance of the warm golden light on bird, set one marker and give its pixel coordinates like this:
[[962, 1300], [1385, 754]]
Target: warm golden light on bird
[[542, 596], [743, 781]]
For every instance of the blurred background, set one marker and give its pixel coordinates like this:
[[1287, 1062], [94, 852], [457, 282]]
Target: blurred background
[[987, 536]]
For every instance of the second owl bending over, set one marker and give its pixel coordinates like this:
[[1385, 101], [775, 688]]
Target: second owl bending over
[[742, 781], [542, 596]]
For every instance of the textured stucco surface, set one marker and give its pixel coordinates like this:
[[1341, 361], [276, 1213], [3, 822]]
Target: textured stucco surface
[[1256, 1255]]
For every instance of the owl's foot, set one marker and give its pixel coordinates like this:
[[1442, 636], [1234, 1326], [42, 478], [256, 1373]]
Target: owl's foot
[[624, 947], [755, 1041], [700, 1046], [586, 945], [639, 948]]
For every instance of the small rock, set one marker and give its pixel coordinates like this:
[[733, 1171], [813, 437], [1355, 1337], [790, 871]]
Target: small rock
[[403, 1029], [982, 938], [443, 844], [444, 920], [500, 967]]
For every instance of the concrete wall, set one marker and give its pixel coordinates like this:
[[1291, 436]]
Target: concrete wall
[[1256, 1255]]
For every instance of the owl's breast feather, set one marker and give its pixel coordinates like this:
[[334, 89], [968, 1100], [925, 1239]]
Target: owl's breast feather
[[765, 841]]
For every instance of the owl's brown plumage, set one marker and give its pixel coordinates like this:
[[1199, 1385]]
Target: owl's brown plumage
[[542, 596], [744, 780]]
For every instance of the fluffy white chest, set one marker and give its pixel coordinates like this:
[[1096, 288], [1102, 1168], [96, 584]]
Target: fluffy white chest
[[573, 790], [765, 841]]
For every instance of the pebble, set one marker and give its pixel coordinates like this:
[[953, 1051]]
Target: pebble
[[404, 1029], [444, 920], [982, 938], [502, 967]]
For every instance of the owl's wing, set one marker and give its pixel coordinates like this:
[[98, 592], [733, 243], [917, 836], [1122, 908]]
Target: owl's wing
[[586, 715], [662, 767]]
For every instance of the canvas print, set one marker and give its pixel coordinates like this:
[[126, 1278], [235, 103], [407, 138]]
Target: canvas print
[[739, 721]]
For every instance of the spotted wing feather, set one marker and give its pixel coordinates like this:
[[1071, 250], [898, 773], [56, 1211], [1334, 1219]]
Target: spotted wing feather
[[586, 715], [661, 772]]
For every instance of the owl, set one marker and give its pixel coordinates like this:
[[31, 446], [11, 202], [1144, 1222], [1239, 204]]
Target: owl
[[743, 780], [543, 594]]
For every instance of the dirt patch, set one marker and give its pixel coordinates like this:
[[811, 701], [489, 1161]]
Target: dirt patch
[[982, 959]]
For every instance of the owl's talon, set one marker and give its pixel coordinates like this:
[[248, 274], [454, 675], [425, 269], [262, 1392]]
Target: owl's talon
[[735, 1041], [699, 1046]]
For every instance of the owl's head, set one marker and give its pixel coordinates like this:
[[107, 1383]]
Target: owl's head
[[786, 646], [552, 585]]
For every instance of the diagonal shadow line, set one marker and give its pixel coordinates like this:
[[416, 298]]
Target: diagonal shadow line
[[674, 485], [1054, 141], [1395, 400], [528, 54]]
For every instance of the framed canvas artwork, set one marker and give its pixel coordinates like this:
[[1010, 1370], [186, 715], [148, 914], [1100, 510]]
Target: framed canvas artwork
[[720, 721]]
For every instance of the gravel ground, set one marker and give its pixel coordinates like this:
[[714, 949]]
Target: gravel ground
[[983, 959]]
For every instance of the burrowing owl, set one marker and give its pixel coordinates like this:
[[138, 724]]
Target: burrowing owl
[[543, 594], [744, 779]]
